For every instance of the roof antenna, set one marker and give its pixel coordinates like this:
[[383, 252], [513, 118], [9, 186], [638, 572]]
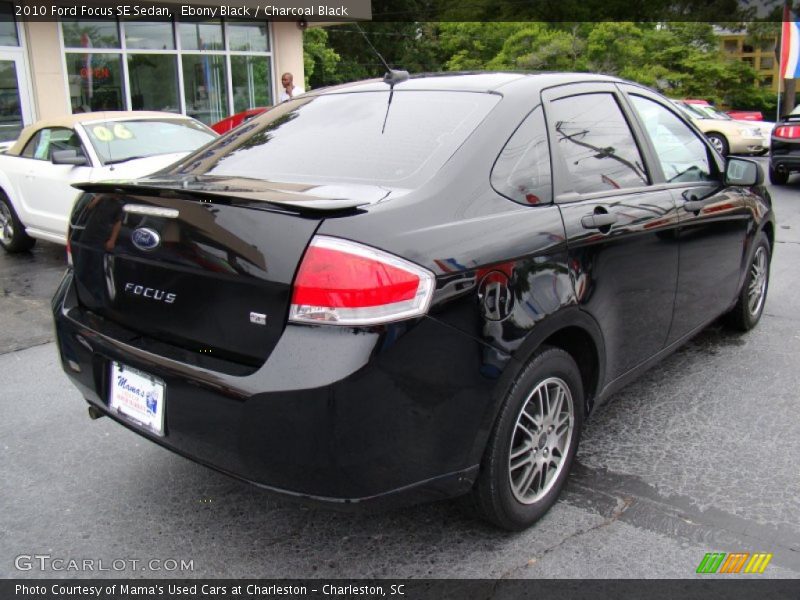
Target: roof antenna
[[391, 77]]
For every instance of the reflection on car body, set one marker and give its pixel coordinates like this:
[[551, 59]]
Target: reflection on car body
[[38, 171]]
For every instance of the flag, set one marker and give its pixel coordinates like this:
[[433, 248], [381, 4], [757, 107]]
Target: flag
[[790, 46]]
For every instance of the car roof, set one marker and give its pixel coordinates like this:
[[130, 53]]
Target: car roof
[[70, 121], [484, 81]]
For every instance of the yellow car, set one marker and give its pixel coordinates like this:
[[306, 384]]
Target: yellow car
[[726, 135]]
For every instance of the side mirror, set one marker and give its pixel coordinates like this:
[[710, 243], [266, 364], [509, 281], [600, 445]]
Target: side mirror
[[739, 171], [68, 157]]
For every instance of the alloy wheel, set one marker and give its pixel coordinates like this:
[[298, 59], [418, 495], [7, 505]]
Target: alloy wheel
[[540, 440], [758, 281], [718, 145], [6, 224]]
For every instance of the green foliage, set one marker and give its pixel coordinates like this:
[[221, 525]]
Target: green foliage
[[617, 48], [413, 46], [319, 59], [680, 59], [538, 47], [470, 46]]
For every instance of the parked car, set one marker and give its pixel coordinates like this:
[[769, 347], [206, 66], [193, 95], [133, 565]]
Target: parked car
[[228, 123], [764, 127], [745, 115], [737, 115], [38, 172], [784, 156], [726, 135], [380, 294]]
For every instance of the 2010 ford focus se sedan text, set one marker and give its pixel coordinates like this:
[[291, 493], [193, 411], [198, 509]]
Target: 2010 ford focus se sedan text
[[397, 291]]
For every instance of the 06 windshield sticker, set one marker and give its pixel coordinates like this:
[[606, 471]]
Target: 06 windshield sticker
[[106, 134]]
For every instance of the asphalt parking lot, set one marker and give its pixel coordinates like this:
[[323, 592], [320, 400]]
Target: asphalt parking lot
[[699, 455]]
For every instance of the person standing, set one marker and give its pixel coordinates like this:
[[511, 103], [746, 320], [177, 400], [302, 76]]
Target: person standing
[[290, 90]]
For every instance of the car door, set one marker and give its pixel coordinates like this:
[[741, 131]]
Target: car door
[[46, 188], [620, 228], [712, 219]]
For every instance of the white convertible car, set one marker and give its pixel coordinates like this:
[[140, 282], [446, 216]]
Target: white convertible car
[[37, 172]]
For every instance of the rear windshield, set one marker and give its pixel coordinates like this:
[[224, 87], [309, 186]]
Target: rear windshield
[[355, 138], [118, 141]]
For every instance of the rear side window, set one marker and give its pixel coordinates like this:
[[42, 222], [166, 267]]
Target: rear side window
[[522, 171], [355, 137], [29, 151], [42, 145], [596, 144], [683, 156]]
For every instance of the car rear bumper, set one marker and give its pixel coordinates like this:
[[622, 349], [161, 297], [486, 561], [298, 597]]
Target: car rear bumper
[[389, 416], [786, 158]]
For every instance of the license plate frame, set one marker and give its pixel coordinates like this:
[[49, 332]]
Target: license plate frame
[[137, 397]]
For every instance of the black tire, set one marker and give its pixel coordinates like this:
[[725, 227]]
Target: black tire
[[493, 495], [719, 142], [743, 316], [778, 177], [12, 233]]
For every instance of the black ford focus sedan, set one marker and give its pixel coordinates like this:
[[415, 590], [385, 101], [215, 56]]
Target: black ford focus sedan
[[387, 293], [784, 154]]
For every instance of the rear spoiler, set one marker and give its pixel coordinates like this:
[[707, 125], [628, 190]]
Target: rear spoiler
[[277, 198]]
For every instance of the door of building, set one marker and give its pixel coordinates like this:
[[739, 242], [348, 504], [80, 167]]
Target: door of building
[[15, 107]]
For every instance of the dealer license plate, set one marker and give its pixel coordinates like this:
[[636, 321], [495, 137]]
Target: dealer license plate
[[138, 397]]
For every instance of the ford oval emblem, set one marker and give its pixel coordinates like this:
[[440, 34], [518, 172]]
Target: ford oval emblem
[[145, 238]]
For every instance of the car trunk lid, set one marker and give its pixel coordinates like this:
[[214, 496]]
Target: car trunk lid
[[209, 270]]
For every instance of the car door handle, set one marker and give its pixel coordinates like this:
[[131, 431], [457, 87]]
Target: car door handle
[[693, 205], [598, 220]]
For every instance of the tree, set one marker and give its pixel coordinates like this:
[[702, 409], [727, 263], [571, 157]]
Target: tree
[[404, 44], [617, 48], [319, 59], [539, 47], [471, 46], [680, 59]]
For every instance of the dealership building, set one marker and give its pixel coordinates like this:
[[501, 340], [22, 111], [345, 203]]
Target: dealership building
[[207, 68]]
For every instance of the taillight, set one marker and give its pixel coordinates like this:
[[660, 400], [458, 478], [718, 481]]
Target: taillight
[[789, 132], [69, 252], [345, 283]]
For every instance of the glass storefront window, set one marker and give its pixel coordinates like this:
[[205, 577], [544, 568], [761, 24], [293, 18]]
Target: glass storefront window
[[95, 81], [251, 82], [201, 35], [149, 35], [206, 68], [154, 82], [205, 87], [248, 37], [8, 26], [10, 105], [90, 34]]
